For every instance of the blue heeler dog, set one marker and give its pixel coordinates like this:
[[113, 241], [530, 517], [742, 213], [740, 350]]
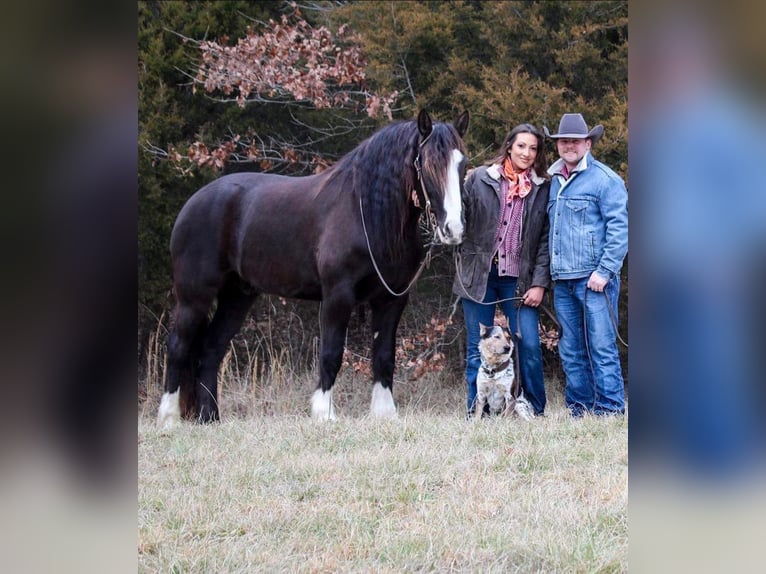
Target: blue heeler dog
[[496, 384]]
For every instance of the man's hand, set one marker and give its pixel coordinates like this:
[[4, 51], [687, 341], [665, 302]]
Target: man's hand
[[597, 282]]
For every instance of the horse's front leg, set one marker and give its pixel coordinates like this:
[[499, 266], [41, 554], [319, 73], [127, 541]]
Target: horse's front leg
[[386, 313], [334, 316]]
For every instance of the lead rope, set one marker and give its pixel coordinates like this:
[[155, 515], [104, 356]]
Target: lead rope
[[587, 342], [423, 264], [459, 269], [611, 317]]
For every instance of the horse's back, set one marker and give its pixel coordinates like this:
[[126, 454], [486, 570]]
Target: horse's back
[[284, 222], [223, 203], [257, 225]]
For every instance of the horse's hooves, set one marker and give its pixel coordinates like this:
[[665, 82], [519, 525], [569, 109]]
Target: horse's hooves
[[321, 406], [382, 405], [169, 412]]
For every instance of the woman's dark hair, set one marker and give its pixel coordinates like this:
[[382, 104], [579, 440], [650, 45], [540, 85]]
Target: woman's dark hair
[[540, 165]]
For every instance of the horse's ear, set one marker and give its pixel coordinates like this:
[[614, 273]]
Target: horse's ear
[[425, 125], [461, 124]]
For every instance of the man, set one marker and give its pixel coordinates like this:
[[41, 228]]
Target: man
[[588, 240]]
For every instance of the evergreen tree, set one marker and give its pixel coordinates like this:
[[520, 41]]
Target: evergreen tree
[[506, 62]]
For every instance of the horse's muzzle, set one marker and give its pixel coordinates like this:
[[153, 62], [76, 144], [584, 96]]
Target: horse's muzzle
[[450, 234]]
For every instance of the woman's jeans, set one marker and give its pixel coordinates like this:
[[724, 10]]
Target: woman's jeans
[[588, 347], [522, 319]]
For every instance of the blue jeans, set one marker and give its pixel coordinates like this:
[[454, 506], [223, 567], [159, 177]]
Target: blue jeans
[[588, 347], [524, 321]]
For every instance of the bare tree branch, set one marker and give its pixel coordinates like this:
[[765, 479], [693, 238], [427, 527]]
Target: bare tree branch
[[287, 63]]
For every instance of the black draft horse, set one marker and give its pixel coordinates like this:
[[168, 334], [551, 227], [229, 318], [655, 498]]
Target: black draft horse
[[335, 237]]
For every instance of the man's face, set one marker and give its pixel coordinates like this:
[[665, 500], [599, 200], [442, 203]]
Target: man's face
[[572, 150]]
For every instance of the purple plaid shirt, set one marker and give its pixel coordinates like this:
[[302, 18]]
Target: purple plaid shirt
[[508, 234]]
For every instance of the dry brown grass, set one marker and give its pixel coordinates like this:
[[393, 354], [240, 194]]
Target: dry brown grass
[[270, 490]]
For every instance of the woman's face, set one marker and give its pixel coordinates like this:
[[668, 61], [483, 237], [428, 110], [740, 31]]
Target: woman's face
[[523, 151]]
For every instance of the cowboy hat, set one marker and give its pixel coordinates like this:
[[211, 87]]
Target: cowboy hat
[[573, 126]]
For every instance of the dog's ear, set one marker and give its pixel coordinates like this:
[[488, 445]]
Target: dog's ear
[[482, 330]]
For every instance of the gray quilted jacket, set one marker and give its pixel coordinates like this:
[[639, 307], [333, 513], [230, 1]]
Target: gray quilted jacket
[[482, 204]]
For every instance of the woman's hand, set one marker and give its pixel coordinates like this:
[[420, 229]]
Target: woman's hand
[[534, 296]]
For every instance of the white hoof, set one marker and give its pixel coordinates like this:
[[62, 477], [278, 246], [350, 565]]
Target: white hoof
[[169, 413], [321, 406], [382, 405]]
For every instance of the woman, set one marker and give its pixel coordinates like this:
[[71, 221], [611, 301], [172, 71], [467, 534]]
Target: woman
[[504, 257]]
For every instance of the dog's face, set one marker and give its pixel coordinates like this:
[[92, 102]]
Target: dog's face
[[495, 344]]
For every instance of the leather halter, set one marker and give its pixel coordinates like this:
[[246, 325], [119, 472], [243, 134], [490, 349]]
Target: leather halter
[[430, 217]]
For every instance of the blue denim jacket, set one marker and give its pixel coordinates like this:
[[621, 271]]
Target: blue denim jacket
[[588, 220]]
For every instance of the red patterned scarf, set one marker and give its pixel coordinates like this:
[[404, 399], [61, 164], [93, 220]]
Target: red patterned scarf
[[519, 182]]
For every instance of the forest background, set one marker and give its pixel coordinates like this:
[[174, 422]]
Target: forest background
[[505, 62]]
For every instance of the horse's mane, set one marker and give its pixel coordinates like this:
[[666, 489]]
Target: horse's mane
[[381, 171]]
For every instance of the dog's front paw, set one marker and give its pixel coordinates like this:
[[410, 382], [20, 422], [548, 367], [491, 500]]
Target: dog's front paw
[[524, 410], [478, 411]]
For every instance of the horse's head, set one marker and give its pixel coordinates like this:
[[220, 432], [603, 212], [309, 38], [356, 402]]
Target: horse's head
[[441, 166]]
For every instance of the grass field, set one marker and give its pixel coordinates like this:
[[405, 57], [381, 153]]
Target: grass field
[[429, 492]]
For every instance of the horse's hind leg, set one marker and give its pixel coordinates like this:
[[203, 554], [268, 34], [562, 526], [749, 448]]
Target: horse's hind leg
[[335, 313], [234, 301], [189, 322], [386, 313]]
